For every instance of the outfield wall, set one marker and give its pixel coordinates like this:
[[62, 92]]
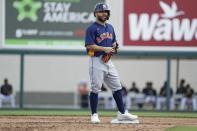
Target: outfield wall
[[62, 73]]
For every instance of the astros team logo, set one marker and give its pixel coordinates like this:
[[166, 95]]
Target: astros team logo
[[27, 9], [104, 6]]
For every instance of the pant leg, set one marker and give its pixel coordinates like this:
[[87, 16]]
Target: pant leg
[[194, 106], [153, 99], [172, 105], [107, 104], [159, 102], [148, 99], [139, 99], [111, 78], [12, 101], [183, 102], [96, 79], [128, 102], [96, 73], [1, 100], [113, 104]]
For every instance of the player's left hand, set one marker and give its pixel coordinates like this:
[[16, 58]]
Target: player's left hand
[[107, 56], [115, 46]]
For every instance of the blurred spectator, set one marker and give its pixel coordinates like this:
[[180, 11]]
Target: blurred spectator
[[124, 90], [181, 89], [126, 99], [84, 93], [7, 94], [150, 94], [106, 99], [162, 98], [135, 96], [134, 88], [188, 98], [180, 93]]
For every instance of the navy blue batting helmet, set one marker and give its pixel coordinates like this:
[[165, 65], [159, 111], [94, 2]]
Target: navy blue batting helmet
[[101, 7]]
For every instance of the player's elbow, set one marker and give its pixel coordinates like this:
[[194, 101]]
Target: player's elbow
[[90, 47]]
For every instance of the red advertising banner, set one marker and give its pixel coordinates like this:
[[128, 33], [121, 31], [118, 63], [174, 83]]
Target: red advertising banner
[[160, 23]]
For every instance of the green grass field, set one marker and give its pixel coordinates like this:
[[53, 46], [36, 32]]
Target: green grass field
[[66, 112], [182, 128]]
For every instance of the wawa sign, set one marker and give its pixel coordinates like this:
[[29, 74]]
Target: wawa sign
[[160, 23]]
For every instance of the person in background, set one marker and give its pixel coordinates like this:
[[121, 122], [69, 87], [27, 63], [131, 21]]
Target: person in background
[[162, 98], [134, 88], [135, 96], [7, 94], [84, 93], [150, 94], [181, 89], [125, 97], [109, 102], [188, 98]]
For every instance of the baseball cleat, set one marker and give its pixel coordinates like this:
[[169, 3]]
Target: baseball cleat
[[94, 118], [126, 116]]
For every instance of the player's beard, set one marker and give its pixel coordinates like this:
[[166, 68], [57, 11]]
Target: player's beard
[[103, 19]]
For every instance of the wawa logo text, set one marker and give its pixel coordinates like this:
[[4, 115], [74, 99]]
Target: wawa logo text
[[170, 23]]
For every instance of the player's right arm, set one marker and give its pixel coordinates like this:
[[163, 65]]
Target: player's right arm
[[96, 48]]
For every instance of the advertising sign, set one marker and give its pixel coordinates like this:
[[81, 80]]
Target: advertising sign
[[47, 23], [160, 23]]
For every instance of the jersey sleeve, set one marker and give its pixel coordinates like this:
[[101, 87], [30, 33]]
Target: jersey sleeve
[[89, 37]]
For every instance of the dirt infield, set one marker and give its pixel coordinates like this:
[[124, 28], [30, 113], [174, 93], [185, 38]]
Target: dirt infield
[[69, 123]]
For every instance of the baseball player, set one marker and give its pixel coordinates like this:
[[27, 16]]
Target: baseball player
[[100, 42]]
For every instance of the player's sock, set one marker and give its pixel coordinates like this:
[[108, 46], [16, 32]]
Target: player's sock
[[119, 102], [93, 102]]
